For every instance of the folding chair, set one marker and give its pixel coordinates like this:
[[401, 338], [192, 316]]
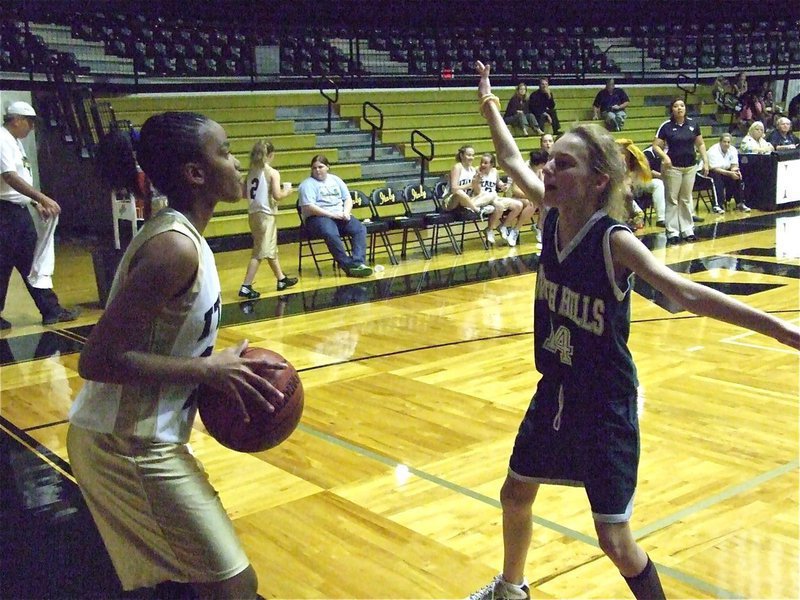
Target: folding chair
[[704, 190], [389, 209], [308, 245], [645, 201], [123, 208], [420, 200], [459, 215], [376, 229]]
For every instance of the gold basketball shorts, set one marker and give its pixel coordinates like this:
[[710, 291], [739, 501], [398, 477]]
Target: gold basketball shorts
[[159, 516]]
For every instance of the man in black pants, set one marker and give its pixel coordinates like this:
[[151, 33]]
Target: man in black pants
[[17, 230]]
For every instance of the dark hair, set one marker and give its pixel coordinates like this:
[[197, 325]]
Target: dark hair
[[116, 161], [538, 157], [673, 101], [168, 141], [320, 158]]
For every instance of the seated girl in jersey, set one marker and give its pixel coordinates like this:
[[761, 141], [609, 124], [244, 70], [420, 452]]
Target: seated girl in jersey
[[487, 186], [461, 189]]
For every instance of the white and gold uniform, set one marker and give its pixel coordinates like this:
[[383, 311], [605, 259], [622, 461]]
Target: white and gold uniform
[[159, 516]]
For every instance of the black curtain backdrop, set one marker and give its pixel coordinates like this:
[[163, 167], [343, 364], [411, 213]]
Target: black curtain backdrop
[[428, 13]]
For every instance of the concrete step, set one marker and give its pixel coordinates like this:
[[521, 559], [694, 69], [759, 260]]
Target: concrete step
[[362, 153], [320, 125], [302, 112], [388, 169], [343, 138]]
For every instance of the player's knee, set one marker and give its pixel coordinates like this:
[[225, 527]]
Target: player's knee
[[516, 495], [617, 547]]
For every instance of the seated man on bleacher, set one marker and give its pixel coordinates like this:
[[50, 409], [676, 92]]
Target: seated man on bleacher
[[610, 104], [325, 205], [723, 168]]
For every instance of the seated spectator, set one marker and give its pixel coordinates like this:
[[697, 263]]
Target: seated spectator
[[543, 106], [752, 108], [739, 85], [530, 211], [610, 104], [755, 142], [723, 95], [517, 112], [461, 177], [772, 110], [486, 187], [638, 176], [546, 142], [656, 186], [782, 137], [723, 163], [793, 111], [325, 205]]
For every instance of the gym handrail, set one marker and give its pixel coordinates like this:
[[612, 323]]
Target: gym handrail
[[375, 127], [424, 158], [331, 101]]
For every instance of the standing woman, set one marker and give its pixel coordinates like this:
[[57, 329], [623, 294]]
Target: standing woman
[[677, 141], [263, 187], [581, 428], [159, 516]]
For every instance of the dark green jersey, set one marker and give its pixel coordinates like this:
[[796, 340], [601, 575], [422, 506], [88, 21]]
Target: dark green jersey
[[582, 315]]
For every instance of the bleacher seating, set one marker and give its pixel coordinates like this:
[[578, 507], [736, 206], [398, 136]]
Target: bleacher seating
[[448, 116], [160, 47], [196, 48]]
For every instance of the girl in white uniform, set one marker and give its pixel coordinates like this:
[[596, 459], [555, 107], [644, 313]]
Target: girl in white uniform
[[159, 517], [263, 188], [461, 189]]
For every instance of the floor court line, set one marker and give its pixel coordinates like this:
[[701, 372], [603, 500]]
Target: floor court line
[[566, 531]]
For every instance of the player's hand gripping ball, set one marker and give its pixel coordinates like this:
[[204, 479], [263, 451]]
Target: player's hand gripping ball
[[225, 422]]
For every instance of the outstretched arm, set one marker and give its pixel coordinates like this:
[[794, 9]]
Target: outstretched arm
[[629, 253], [508, 154]]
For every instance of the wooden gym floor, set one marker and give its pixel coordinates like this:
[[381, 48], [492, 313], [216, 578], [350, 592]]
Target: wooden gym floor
[[415, 381]]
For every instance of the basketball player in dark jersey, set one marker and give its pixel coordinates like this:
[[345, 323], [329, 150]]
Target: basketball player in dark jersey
[[581, 428]]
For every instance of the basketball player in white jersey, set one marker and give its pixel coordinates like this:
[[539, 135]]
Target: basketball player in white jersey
[[159, 516], [263, 187]]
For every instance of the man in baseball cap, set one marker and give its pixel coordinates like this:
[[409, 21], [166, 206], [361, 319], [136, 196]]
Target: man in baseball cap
[[18, 233], [22, 109]]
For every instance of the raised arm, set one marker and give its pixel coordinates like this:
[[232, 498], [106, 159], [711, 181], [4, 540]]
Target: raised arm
[[508, 154], [629, 253]]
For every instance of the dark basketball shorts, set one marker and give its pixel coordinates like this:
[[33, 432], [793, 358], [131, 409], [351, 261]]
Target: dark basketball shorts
[[594, 444]]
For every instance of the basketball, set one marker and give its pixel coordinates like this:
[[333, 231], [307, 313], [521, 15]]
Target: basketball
[[224, 421]]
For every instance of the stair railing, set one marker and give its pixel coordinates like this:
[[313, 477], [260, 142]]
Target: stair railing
[[687, 85], [424, 158], [375, 126], [331, 100]]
